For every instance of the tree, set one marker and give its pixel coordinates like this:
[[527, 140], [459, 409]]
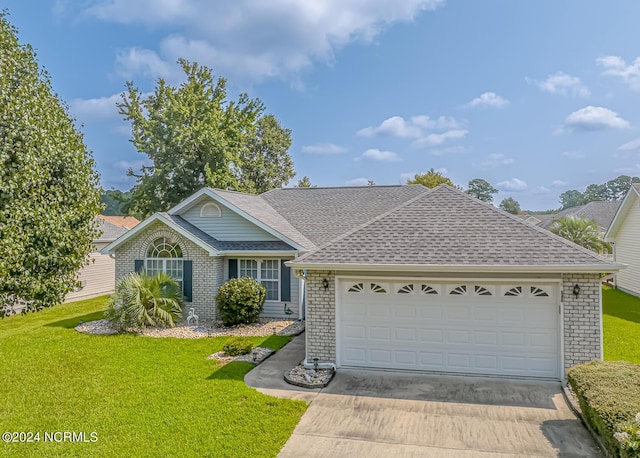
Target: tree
[[371, 183], [581, 231], [618, 187], [49, 192], [141, 300], [305, 182], [115, 202], [431, 179], [195, 137], [571, 198], [265, 164], [595, 192], [481, 189], [510, 205]]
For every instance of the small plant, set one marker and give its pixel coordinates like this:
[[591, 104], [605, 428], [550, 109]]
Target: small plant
[[240, 301], [237, 347], [628, 435], [141, 300]]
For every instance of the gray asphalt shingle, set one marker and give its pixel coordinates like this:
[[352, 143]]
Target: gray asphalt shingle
[[602, 212]]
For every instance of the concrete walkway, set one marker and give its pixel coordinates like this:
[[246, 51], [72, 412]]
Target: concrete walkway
[[379, 413]]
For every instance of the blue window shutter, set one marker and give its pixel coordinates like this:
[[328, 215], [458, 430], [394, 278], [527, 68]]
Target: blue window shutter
[[233, 268], [285, 282], [138, 266], [187, 268]]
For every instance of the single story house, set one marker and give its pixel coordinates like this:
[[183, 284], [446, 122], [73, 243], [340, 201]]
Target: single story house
[[602, 212], [388, 277], [624, 236], [98, 277]]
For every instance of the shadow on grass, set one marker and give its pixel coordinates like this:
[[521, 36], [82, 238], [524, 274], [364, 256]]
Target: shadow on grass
[[621, 305], [71, 323], [275, 342], [234, 370]]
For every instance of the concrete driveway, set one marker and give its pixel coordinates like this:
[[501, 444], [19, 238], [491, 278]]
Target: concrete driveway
[[374, 413]]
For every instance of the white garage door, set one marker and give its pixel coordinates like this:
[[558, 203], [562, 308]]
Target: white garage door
[[464, 327]]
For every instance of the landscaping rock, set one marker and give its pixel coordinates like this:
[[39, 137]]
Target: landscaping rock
[[103, 327], [308, 378], [256, 356]]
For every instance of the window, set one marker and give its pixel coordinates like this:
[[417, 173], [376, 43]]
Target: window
[[210, 210], [266, 272], [165, 255]]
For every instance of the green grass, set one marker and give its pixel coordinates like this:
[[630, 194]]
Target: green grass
[[143, 396], [621, 326]]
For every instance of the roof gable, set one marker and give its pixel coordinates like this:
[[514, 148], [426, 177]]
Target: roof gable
[[630, 199], [602, 212], [432, 230]]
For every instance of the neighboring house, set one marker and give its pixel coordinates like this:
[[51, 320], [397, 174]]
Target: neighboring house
[[98, 277], [393, 277], [602, 212], [624, 236]]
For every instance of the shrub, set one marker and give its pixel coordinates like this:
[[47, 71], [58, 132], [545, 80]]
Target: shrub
[[609, 396], [240, 301], [141, 300], [628, 436], [237, 347]]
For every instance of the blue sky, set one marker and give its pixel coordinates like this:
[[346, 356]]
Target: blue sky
[[536, 97]]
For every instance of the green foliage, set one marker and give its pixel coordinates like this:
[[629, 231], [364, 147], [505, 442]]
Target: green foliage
[[305, 182], [481, 189], [371, 183], [49, 191], [621, 325], [431, 179], [153, 396], [195, 137], [240, 301], [238, 346], [628, 435], [611, 190], [609, 395], [115, 202], [571, 198], [582, 232], [510, 205], [142, 300], [265, 164]]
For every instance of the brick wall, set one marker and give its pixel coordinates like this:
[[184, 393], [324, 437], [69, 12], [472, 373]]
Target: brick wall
[[207, 270], [581, 319], [321, 317]]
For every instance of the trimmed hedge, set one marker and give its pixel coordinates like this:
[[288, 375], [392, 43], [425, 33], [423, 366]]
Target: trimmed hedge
[[237, 347], [609, 395], [240, 301]]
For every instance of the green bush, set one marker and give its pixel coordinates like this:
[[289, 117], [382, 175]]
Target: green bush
[[609, 396], [237, 347], [240, 301], [628, 436], [141, 300]]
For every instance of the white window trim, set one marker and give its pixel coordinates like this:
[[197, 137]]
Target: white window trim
[[259, 270], [164, 268], [208, 205]]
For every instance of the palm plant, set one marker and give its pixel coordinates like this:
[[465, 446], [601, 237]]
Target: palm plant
[[141, 300], [582, 232]]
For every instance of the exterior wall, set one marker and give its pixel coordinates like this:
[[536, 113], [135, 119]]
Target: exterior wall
[[321, 317], [582, 319], [229, 226], [97, 278], [207, 270], [627, 251], [275, 309]]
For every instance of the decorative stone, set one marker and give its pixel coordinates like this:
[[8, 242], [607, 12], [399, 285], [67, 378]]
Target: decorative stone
[[308, 378]]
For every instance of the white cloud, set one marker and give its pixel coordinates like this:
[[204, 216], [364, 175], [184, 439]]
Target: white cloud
[[439, 139], [323, 148], [541, 190], [489, 99], [375, 154], [633, 145], [559, 183], [358, 182], [408, 175], [494, 160], [99, 108], [514, 185], [442, 170], [135, 165], [397, 126], [442, 122], [594, 118], [256, 40], [616, 66], [573, 154], [450, 150], [133, 62], [563, 84]]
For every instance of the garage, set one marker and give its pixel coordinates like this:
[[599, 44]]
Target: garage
[[509, 328]]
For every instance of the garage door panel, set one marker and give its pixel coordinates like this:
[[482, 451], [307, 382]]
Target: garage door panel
[[472, 332]]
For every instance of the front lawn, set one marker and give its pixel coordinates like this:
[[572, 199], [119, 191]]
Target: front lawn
[[621, 323], [143, 396]]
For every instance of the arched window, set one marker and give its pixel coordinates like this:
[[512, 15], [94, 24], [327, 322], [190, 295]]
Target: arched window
[[164, 255], [210, 210]]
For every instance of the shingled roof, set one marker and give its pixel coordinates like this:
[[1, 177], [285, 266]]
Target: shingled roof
[[602, 212], [446, 227]]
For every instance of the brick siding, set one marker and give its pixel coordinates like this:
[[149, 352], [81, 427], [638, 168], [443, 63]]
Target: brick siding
[[321, 317]]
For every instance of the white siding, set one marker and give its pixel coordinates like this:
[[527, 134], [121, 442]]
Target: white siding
[[627, 249], [230, 226], [98, 278]]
